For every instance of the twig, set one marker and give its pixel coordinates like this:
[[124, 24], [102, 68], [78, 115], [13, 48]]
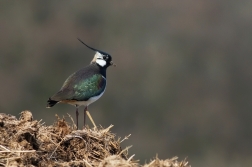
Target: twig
[[91, 119], [152, 162], [95, 157], [57, 145], [4, 148], [130, 157], [75, 127], [2, 164], [125, 138], [53, 152], [18, 151], [107, 129], [125, 150], [86, 162]]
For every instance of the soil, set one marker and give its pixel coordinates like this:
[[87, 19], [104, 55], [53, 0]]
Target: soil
[[28, 142]]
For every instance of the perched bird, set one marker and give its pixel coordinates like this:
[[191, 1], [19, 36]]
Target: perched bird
[[86, 85]]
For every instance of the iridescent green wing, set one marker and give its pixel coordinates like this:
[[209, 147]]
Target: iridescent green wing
[[90, 87], [81, 88]]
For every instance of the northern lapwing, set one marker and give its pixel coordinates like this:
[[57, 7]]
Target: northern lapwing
[[86, 85]]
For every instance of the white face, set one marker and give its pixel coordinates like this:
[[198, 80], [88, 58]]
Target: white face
[[99, 59]]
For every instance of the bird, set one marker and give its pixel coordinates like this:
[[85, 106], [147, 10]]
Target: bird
[[86, 85]]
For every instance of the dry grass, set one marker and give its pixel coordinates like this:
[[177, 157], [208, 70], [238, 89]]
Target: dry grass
[[27, 142]]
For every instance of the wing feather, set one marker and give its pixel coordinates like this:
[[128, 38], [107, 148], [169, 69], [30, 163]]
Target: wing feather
[[81, 89]]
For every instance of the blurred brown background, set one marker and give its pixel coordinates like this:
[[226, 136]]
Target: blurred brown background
[[182, 85]]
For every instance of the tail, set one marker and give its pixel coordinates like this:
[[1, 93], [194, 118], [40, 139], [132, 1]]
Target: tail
[[51, 103]]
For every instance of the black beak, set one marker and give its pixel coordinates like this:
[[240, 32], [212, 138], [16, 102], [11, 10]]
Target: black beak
[[112, 64]]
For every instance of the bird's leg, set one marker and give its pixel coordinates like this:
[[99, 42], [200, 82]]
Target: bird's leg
[[77, 115], [85, 109]]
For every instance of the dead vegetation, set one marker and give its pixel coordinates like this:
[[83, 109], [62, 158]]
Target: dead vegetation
[[28, 142]]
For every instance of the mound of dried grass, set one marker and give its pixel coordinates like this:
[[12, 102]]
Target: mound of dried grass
[[27, 142]]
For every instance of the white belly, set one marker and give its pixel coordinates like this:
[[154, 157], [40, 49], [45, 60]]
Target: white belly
[[86, 103]]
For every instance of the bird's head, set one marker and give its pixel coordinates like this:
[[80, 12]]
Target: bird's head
[[101, 58]]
